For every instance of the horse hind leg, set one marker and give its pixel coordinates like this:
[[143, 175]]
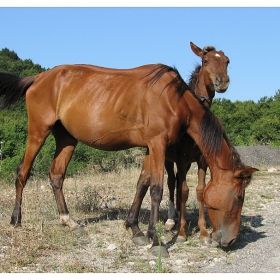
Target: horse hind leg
[[183, 194], [36, 139], [143, 184], [171, 184], [65, 146]]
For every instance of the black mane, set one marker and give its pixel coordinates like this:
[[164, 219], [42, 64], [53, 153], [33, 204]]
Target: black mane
[[211, 128], [193, 78], [159, 70]]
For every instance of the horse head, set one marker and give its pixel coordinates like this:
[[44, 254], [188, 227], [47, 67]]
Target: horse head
[[224, 200], [214, 66]]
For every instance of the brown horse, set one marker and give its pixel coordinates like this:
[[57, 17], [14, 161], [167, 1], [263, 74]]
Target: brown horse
[[202, 84], [186, 151], [109, 109]]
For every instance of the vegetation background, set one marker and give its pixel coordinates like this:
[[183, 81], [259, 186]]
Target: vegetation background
[[246, 123]]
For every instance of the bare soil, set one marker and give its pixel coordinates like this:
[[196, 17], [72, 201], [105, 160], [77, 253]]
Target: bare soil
[[101, 202]]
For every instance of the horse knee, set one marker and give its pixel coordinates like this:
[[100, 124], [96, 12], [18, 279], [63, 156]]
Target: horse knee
[[156, 193], [21, 176], [199, 195]]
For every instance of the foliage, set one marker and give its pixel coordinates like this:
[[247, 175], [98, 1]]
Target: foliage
[[246, 123], [160, 230]]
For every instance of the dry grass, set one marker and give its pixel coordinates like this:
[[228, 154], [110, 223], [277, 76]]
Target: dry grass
[[101, 202]]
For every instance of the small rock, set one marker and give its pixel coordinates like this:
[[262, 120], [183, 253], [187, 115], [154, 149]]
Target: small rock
[[111, 247], [272, 169], [152, 263], [178, 262]]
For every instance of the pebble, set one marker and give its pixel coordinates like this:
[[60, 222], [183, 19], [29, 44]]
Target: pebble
[[111, 247], [178, 262], [152, 263], [272, 169]]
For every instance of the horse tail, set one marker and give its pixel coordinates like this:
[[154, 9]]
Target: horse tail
[[13, 88]]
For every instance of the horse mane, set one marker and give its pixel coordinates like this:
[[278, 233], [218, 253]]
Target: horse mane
[[238, 164], [212, 133], [159, 70], [208, 49], [211, 129], [193, 78]]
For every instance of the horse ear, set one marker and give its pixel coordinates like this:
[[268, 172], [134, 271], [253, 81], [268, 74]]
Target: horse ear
[[247, 172], [198, 51]]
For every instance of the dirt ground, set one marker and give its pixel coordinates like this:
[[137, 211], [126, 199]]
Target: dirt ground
[[105, 246]]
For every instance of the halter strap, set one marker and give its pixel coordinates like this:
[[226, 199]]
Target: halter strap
[[202, 96]]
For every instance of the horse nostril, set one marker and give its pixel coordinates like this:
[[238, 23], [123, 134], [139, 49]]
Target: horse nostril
[[218, 80], [231, 242]]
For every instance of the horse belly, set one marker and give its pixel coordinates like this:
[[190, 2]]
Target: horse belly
[[106, 131]]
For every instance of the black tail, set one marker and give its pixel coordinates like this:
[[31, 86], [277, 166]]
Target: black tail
[[13, 88]]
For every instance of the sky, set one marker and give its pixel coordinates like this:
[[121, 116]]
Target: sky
[[129, 36]]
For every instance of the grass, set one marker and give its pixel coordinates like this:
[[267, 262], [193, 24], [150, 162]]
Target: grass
[[101, 202]]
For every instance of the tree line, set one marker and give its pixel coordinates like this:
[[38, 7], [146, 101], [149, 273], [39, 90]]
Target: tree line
[[246, 123]]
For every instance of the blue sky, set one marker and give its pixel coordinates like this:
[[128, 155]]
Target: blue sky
[[127, 37]]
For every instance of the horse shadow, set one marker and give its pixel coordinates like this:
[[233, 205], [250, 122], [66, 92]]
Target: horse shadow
[[247, 232]]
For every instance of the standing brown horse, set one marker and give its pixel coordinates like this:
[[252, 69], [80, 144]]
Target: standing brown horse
[[203, 84], [109, 109]]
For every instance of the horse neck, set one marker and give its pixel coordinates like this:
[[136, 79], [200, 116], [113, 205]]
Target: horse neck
[[216, 158], [203, 91]]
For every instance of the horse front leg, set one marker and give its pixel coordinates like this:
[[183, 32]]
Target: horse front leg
[[143, 184], [157, 159], [204, 236]]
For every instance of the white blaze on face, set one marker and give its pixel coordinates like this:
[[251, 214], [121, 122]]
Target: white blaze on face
[[217, 55]]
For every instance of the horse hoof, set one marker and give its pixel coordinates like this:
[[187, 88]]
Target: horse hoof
[[160, 249], [16, 225], [206, 240], [181, 239], [169, 224], [140, 240]]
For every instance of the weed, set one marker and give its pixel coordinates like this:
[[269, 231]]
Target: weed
[[160, 230]]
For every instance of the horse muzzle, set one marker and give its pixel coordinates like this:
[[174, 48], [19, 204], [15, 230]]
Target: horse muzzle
[[223, 239], [221, 84]]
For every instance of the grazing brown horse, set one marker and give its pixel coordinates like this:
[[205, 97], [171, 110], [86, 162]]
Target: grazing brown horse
[[186, 151], [202, 83], [109, 109]]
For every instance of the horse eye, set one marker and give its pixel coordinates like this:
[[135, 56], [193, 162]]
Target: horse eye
[[240, 197], [205, 61]]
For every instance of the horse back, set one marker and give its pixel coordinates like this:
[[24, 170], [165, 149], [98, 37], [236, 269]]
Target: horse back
[[105, 108]]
